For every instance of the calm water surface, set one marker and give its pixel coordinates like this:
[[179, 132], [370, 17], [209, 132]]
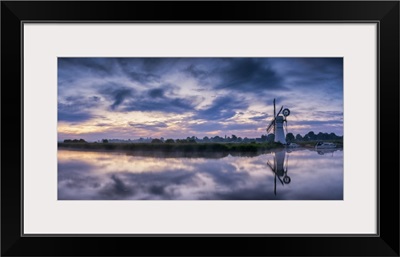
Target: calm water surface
[[301, 174]]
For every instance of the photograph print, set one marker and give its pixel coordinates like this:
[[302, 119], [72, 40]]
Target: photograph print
[[202, 128]]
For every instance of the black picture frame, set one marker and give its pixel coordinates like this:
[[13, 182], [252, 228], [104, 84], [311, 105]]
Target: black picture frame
[[383, 13]]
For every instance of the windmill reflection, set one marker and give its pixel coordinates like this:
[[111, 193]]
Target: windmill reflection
[[280, 168]]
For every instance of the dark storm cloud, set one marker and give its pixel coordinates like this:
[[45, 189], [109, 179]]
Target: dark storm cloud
[[74, 117], [146, 70], [222, 108], [246, 75], [139, 69], [197, 72], [320, 68], [146, 65], [74, 108], [71, 69], [117, 94], [143, 78], [167, 105], [157, 92], [250, 75], [162, 99], [311, 73]]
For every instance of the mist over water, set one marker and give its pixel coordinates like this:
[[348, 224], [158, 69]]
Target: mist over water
[[301, 174]]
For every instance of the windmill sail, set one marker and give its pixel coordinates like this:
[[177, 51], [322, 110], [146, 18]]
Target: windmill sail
[[271, 125], [273, 121]]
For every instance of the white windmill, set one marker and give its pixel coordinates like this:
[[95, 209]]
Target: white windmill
[[277, 124]]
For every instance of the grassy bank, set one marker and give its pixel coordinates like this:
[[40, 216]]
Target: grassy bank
[[312, 143], [173, 148]]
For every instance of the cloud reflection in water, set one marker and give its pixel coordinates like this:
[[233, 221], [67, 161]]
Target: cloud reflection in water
[[118, 176]]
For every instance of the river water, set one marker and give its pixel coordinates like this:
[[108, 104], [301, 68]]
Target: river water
[[300, 174]]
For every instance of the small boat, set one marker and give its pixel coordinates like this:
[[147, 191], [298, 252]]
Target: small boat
[[324, 145], [292, 145]]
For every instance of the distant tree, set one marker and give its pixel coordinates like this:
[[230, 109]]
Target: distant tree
[[289, 137], [206, 139], [271, 138], [105, 141], [82, 141], [156, 141], [67, 141], [169, 141], [234, 138], [217, 139], [191, 139], [311, 135], [333, 136], [299, 137], [264, 138], [323, 136]]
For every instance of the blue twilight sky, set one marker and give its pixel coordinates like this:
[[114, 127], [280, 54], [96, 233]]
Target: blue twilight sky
[[129, 98]]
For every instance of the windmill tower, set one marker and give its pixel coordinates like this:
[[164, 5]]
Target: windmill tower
[[277, 124]]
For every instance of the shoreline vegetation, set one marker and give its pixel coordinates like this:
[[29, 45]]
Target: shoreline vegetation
[[193, 149]]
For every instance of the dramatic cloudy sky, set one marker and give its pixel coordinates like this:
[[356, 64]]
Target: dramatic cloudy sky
[[129, 98]]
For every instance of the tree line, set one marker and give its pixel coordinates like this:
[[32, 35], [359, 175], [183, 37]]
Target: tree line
[[311, 136], [74, 141], [290, 137]]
